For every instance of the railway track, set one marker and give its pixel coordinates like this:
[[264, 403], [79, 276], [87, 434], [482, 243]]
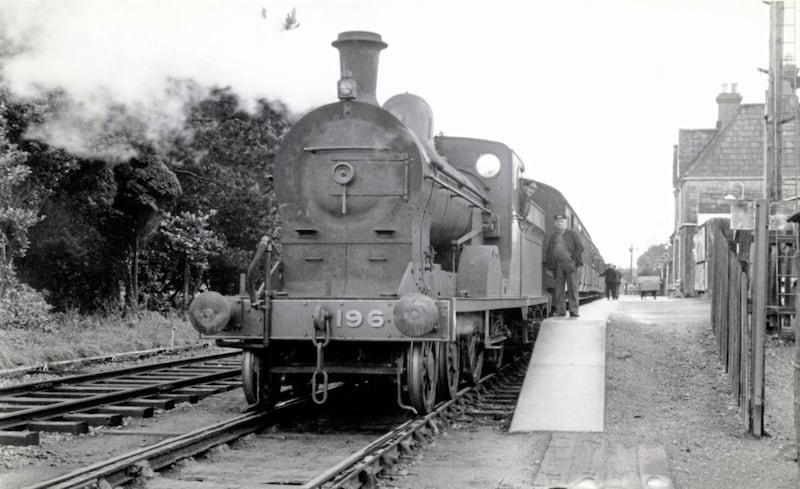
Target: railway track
[[257, 462], [72, 404]]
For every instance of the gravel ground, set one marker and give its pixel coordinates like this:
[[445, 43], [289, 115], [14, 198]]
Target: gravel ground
[[666, 384]]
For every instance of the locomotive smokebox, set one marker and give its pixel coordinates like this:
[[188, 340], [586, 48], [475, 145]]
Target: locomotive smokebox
[[358, 58]]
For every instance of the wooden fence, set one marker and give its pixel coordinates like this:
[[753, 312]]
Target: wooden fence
[[733, 305]]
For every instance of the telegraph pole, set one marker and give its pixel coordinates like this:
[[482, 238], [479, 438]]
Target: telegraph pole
[[631, 279], [772, 177]]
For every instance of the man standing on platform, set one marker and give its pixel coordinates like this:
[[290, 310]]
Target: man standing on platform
[[615, 292], [613, 277], [564, 257]]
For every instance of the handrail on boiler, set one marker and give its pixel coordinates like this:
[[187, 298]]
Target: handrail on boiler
[[459, 193]]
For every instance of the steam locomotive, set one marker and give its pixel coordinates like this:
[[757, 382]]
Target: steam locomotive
[[405, 257]]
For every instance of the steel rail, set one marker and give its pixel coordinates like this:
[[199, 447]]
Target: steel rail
[[15, 418], [126, 467], [75, 379]]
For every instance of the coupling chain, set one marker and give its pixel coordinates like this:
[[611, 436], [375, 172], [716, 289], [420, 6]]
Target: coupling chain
[[320, 343]]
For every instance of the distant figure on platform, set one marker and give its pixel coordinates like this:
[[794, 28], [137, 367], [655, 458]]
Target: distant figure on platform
[[564, 257], [613, 278]]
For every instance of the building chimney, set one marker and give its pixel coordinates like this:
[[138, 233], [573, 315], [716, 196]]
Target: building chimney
[[728, 104], [358, 58]]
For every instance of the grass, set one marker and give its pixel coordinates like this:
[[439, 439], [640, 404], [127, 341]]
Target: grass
[[75, 336]]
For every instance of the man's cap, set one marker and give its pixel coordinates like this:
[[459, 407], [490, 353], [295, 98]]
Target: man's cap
[[559, 215]]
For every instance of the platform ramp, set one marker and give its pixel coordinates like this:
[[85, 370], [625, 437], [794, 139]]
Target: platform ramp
[[565, 385]]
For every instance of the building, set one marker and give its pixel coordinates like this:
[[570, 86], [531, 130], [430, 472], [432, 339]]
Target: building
[[711, 167]]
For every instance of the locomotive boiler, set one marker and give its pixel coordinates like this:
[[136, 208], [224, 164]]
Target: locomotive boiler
[[404, 257]]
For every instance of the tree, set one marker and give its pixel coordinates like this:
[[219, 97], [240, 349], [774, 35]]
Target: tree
[[227, 167], [145, 187], [73, 254], [18, 208], [190, 237], [102, 211], [649, 261]]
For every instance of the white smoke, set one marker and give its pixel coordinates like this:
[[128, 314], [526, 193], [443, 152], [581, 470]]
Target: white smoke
[[116, 63]]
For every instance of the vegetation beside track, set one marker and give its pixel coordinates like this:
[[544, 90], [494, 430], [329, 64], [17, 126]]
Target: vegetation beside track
[[73, 336]]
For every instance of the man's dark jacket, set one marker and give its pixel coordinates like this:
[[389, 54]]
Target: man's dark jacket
[[574, 246], [612, 275]]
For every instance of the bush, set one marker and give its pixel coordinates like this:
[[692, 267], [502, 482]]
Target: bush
[[23, 307]]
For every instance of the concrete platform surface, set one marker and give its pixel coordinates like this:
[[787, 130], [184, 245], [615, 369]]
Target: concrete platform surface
[[564, 387]]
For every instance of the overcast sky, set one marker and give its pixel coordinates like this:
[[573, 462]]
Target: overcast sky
[[590, 94]]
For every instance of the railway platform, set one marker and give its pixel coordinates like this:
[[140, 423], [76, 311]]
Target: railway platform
[[564, 394]]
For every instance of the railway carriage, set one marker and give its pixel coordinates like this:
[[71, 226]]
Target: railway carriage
[[590, 283], [405, 257]]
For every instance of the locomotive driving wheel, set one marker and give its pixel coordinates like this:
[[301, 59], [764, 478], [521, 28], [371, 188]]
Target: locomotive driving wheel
[[472, 357], [422, 370], [449, 364], [258, 390]]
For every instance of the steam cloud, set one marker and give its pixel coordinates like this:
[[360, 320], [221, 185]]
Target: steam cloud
[[131, 66]]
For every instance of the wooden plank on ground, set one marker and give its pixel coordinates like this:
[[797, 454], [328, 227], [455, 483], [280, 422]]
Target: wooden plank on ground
[[71, 427], [574, 460], [588, 460], [96, 419], [134, 411], [191, 398], [654, 468], [19, 438], [156, 403], [555, 467], [622, 467]]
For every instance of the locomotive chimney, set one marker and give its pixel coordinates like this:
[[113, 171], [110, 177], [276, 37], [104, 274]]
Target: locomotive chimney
[[358, 58]]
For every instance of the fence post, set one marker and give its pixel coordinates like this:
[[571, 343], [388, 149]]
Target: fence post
[[759, 317], [796, 395]]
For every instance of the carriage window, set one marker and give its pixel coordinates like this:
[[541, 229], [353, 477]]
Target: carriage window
[[488, 165]]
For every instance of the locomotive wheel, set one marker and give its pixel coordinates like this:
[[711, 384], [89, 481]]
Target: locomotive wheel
[[257, 391], [422, 376], [472, 358], [449, 362]]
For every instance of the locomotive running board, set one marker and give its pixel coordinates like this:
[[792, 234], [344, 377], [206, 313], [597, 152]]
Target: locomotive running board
[[469, 304]]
